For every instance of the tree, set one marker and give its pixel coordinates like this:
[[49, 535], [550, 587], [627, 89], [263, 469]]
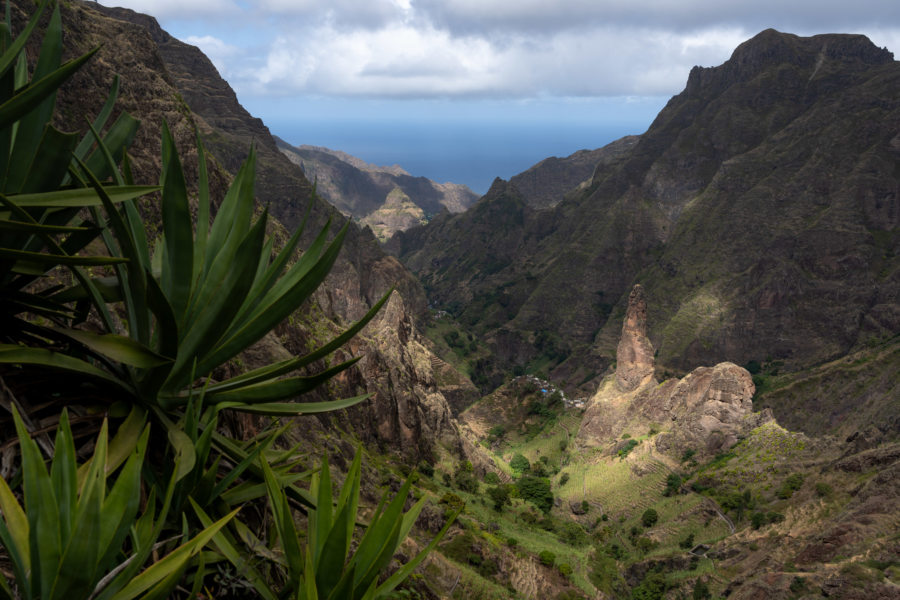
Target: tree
[[537, 491], [649, 518], [519, 463], [499, 496]]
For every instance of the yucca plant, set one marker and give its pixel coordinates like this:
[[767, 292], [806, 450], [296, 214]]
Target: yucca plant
[[323, 567], [40, 227], [68, 539], [204, 296]]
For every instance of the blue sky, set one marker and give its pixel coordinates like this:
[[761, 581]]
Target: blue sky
[[438, 70]]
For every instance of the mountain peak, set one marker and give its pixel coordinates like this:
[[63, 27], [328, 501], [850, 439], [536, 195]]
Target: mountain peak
[[770, 48]]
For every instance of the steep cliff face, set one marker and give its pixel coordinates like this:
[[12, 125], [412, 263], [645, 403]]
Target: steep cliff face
[[165, 79], [759, 211]]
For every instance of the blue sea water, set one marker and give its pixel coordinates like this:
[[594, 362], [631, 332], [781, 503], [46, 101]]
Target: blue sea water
[[469, 145]]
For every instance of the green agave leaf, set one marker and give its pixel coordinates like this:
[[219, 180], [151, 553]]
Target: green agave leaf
[[11, 55], [185, 454], [63, 476], [333, 553], [16, 523], [269, 372], [13, 354], [120, 348], [280, 389], [121, 504], [380, 540], [205, 329], [20, 571], [172, 562], [292, 409], [82, 197], [236, 557], [406, 570], [23, 102], [19, 226], [246, 491], [178, 232], [321, 517], [123, 444], [268, 315], [42, 511], [232, 220], [31, 126], [50, 163], [38, 260], [284, 522], [103, 160]]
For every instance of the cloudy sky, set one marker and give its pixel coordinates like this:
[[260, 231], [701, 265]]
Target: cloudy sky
[[471, 60]]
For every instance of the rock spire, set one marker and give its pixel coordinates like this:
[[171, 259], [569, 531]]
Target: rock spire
[[634, 355]]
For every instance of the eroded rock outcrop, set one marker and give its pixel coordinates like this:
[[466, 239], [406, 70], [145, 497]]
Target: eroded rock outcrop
[[706, 411], [634, 355]]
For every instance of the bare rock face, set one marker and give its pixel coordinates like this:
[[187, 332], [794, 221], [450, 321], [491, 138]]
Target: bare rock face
[[407, 410], [634, 355], [706, 411]]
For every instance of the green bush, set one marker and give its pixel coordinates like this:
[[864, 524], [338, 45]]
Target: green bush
[[573, 534], [563, 479], [547, 558], [519, 464], [537, 491], [565, 569], [499, 495], [653, 587], [645, 544], [649, 518], [687, 543], [491, 478], [627, 448], [673, 484], [823, 490], [793, 483]]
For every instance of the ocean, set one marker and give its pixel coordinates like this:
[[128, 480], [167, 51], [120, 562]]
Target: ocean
[[456, 147]]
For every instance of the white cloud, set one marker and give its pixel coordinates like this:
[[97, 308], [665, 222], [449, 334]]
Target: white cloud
[[404, 60], [493, 48]]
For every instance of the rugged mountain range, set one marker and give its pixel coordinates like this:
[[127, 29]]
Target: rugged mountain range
[[387, 199], [163, 79], [759, 211], [546, 183], [760, 215]]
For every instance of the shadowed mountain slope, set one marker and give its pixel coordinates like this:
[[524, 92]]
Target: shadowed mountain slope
[[760, 212]]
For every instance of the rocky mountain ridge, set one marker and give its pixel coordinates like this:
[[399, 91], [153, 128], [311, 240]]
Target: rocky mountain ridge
[[707, 411], [369, 192], [759, 212], [547, 183], [165, 79]]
